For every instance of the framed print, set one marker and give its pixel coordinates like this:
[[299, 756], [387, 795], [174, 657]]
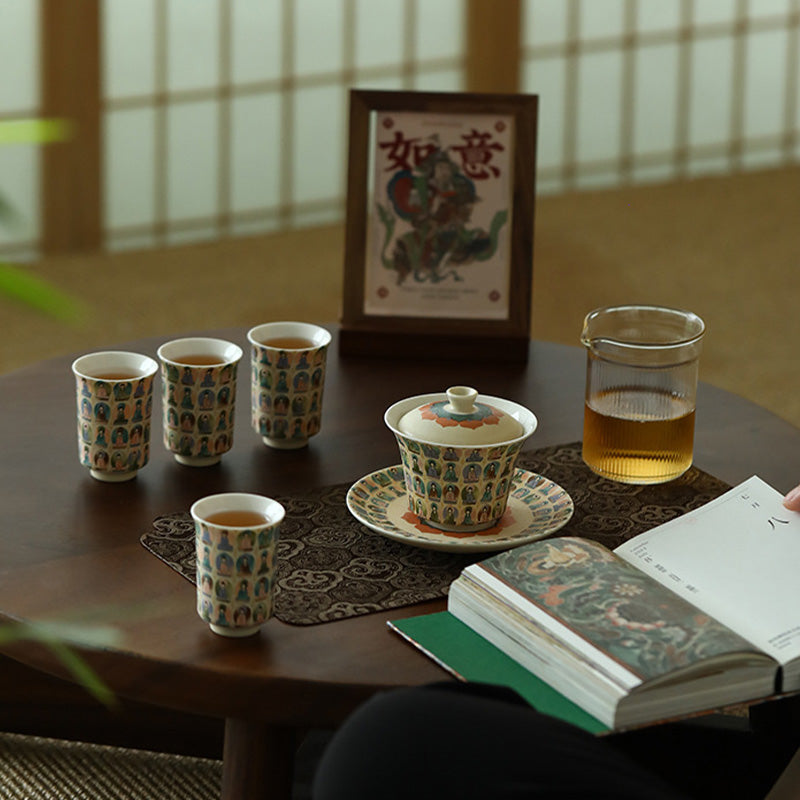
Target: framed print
[[439, 232]]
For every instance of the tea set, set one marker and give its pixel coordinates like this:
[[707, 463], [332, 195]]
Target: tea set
[[457, 487]]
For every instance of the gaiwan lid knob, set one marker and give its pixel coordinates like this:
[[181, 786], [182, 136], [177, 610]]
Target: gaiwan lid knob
[[460, 420]]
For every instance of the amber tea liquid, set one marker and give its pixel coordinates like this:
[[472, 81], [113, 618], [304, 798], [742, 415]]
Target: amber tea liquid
[[116, 376], [237, 518], [200, 360], [636, 435], [289, 343]]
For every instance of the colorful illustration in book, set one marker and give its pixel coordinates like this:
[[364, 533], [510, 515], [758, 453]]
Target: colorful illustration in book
[[638, 622]]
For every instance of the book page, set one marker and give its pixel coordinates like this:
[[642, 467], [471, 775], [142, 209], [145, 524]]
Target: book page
[[738, 559]]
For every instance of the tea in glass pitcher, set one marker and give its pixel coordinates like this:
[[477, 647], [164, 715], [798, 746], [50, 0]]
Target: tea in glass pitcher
[[641, 387]]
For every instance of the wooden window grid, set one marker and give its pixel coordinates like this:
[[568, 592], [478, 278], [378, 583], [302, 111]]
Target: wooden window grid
[[681, 159], [495, 57]]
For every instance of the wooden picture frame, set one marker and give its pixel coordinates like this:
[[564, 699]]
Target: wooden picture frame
[[439, 230]]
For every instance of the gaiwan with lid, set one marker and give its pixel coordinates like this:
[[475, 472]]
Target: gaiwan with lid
[[459, 450]]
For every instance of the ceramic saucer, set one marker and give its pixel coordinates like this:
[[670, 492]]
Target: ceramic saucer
[[536, 508]]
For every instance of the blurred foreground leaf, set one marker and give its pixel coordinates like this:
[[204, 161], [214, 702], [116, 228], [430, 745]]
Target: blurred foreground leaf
[[34, 131], [15, 282], [18, 283], [55, 637], [29, 131], [9, 215]]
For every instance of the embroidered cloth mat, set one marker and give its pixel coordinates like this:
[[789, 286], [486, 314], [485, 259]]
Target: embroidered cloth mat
[[330, 566]]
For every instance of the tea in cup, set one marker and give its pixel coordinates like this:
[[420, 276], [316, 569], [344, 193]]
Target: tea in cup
[[288, 377], [115, 402], [236, 537], [199, 387]]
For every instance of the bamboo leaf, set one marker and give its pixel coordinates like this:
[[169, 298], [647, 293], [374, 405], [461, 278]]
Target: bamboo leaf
[[85, 634], [83, 673], [19, 284], [34, 131], [54, 636], [9, 215]]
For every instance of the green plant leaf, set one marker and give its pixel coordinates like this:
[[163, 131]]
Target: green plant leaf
[[34, 131], [19, 284], [15, 282], [84, 674], [9, 215], [54, 636]]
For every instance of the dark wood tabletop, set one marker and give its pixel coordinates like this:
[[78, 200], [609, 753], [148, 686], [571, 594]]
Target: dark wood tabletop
[[70, 544]]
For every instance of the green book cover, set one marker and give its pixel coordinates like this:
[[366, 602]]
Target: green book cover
[[466, 654]]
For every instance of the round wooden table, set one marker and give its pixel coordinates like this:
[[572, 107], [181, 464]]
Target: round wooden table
[[70, 544]]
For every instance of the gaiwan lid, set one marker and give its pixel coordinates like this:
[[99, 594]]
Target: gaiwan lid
[[460, 420]]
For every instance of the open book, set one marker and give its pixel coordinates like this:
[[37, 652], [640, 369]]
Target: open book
[[697, 613]]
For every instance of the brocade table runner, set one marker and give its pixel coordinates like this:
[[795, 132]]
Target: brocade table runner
[[330, 566]]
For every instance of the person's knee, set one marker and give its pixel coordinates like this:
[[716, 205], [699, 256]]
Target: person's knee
[[436, 741], [470, 741], [360, 759]]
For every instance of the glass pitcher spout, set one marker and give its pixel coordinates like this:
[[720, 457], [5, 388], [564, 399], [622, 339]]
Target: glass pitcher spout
[[645, 334]]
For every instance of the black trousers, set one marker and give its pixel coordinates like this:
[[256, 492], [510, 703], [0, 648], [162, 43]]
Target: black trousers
[[465, 741]]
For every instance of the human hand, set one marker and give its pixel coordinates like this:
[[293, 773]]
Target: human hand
[[792, 499]]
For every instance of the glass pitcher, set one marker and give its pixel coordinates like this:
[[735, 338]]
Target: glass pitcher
[[641, 387]]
